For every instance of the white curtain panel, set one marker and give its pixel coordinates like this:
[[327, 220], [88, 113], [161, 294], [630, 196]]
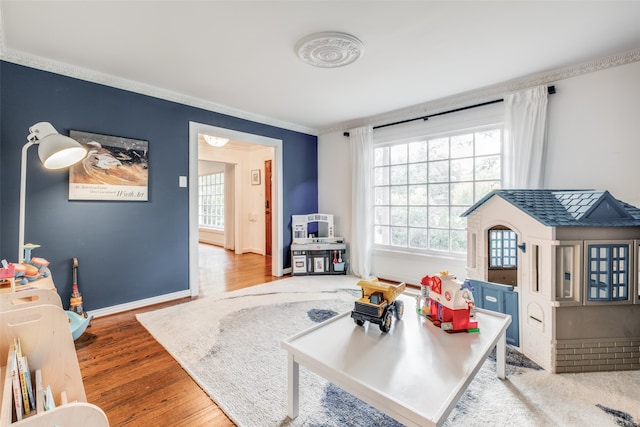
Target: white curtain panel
[[361, 140], [525, 138]]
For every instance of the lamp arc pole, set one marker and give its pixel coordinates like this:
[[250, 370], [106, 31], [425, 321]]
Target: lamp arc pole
[[23, 187]]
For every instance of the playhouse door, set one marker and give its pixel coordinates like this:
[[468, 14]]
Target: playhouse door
[[500, 298]]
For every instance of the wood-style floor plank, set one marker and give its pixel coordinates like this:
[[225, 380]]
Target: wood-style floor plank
[[131, 376]]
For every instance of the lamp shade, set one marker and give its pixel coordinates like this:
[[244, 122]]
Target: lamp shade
[[55, 151], [58, 151]]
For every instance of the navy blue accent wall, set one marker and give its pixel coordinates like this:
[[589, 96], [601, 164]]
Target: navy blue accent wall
[[127, 251]]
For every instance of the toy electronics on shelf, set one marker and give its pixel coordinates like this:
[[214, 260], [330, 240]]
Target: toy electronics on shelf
[[315, 249], [448, 303]]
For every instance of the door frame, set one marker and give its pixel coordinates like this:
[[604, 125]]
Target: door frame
[[277, 241]]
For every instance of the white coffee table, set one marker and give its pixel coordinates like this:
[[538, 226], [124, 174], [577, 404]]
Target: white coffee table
[[415, 373]]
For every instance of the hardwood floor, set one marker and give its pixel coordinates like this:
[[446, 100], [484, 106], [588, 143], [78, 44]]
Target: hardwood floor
[[134, 380]]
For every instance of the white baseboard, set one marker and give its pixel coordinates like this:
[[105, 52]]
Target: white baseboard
[[139, 303]]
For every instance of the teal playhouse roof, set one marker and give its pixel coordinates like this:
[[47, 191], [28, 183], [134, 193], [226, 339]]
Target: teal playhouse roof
[[568, 208]]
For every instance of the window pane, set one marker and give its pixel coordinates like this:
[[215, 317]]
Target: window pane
[[439, 240], [399, 216], [398, 195], [418, 173], [398, 154], [439, 217], [461, 146], [485, 187], [381, 176], [399, 174], [418, 238], [458, 241], [418, 151], [381, 156], [422, 187], [439, 149], [439, 171], [462, 170], [399, 236], [381, 235], [418, 217], [439, 194], [488, 167], [418, 195], [462, 194], [211, 200], [381, 215], [381, 196], [488, 142]]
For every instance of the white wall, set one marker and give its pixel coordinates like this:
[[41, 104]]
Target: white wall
[[594, 133], [594, 142]]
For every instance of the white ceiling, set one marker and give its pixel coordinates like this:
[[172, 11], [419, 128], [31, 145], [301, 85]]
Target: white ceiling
[[238, 57]]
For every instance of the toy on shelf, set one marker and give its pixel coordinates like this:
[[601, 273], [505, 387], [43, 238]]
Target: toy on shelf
[[315, 249], [32, 268], [378, 303], [447, 302], [7, 273]]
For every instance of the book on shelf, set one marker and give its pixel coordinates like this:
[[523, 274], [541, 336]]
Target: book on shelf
[[15, 381], [28, 401], [26, 409]]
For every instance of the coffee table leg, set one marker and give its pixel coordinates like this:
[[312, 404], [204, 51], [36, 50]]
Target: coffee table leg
[[501, 356], [294, 387]]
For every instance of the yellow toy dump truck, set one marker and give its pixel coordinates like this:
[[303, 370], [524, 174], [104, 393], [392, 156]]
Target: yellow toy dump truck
[[378, 303]]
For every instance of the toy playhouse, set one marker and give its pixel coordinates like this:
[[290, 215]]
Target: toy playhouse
[[565, 264]]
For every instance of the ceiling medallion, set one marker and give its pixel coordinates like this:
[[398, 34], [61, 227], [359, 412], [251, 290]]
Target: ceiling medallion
[[329, 49]]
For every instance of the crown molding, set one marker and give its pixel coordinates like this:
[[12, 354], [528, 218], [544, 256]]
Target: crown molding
[[491, 92], [57, 67]]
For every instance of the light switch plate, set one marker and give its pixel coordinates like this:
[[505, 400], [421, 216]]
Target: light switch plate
[[182, 180]]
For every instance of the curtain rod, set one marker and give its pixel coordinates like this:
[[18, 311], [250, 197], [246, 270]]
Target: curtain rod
[[550, 90]]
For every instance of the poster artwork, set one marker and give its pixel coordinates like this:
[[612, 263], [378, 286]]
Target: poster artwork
[[115, 168]]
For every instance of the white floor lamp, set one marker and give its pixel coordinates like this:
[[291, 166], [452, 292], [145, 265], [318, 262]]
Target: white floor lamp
[[56, 152]]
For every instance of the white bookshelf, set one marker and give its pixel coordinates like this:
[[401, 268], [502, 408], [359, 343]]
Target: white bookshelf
[[43, 330]]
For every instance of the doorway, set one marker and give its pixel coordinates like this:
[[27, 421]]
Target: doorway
[[276, 195]]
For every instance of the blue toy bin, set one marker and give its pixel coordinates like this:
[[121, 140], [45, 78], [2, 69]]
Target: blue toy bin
[[339, 266]]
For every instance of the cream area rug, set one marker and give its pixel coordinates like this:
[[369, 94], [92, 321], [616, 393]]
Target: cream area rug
[[230, 344]]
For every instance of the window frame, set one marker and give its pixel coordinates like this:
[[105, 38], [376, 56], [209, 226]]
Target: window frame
[[218, 190], [513, 237], [565, 262], [629, 272], [470, 122]]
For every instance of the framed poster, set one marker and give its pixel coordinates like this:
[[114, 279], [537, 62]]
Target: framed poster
[[255, 177], [115, 168]]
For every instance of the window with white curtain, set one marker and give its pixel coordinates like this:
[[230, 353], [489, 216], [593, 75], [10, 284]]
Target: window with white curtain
[[211, 200], [423, 183]]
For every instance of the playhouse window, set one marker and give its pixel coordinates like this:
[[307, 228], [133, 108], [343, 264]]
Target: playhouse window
[[502, 248], [568, 272], [608, 272]]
